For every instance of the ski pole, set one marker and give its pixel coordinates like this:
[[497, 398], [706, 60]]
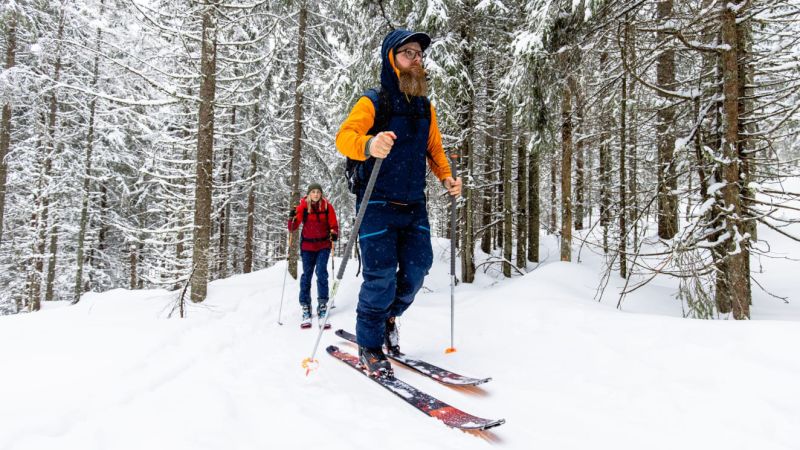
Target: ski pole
[[333, 255], [333, 262], [283, 289], [310, 363], [453, 238]]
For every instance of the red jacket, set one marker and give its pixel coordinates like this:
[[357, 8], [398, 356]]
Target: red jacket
[[319, 222]]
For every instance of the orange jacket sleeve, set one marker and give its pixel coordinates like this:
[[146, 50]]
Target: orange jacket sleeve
[[438, 161], [351, 140]]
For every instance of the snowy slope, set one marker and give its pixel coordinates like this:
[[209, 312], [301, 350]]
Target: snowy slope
[[569, 373]]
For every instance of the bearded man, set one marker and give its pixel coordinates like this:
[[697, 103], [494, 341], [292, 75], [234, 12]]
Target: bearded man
[[396, 123]]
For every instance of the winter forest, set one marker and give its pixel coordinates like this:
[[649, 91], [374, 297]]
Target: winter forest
[[158, 143]]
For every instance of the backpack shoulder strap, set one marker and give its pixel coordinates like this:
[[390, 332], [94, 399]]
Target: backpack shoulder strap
[[317, 212], [380, 100]]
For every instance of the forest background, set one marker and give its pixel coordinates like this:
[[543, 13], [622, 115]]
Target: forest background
[[159, 143]]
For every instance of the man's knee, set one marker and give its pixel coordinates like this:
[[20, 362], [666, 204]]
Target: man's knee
[[377, 291]]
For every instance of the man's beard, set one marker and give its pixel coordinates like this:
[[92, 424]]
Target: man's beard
[[413, 82]]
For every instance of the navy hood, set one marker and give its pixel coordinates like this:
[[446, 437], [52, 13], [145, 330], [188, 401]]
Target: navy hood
[[395, 39]]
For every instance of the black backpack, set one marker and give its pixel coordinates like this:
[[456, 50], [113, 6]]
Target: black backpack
[[354, 170]]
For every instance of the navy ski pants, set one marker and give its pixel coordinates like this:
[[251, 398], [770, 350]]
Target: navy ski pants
[[310, 261], [396, 251]]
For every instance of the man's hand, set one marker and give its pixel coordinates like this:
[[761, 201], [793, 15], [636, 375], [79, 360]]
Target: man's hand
[[292, 213], [453, 186], [382, 144], [334, 237]]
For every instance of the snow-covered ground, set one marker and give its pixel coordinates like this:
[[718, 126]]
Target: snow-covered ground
[[113, 372]]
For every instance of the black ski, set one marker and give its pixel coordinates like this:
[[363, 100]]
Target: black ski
[[443, 376], [451, 416]]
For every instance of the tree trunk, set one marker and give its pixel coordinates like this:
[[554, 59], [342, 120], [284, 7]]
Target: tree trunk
[[87, 169], [5, 121], [553, 193], [139, 253], [534, 174], [467, 154], [96, 253], [736, 273], [249, 234], [298, 128], [522, 191], [665, 132], [718, 252], [205, 155], [580, 173], [623, 199], [747, 127], [566, 173], [181, 236], [604, 166], [134, 282], [633, 208], [508, 155], [499, 227], [746, 123], [49, 292], [225, 211], [533, 203], [488, 167]]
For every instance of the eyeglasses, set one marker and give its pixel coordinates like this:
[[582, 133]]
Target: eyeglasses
[[412, 54]]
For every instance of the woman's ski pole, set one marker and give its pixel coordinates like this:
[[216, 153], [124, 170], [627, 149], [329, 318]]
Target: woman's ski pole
[[453, 239], [310, 363], [288, 252], [333, 255]]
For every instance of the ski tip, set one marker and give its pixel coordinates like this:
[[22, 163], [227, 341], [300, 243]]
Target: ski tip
[[498, 422], [480, 427], [493, 424]]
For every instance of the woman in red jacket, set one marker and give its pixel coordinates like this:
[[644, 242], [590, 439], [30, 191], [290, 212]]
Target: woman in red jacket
[[320, 228]]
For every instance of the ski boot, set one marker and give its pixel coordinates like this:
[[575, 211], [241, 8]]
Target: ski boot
[[306, 321], [374, 362], [391, 338], [322, 313]]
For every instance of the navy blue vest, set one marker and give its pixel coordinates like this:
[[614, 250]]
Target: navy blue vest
[[402, 173]]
